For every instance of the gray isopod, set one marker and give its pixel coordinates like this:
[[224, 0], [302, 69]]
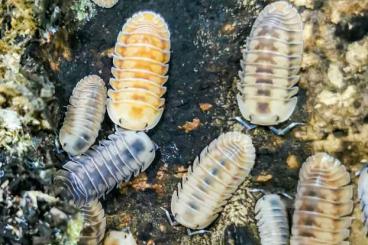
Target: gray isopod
[[100, 169]]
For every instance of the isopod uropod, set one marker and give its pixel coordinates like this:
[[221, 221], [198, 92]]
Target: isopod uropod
[[270, 65], [141, 53], [100, 169], [94, 224], [124, 237], [363, 196], [84, 115], [323, 202], [221, 167], [272, 220]]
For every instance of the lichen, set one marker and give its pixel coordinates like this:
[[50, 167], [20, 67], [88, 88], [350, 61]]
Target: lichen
[[335, 77], [74, 228], [18, 27], [84, 10]]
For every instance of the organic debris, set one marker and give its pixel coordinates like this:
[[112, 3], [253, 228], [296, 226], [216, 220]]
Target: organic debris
[[190, 126]]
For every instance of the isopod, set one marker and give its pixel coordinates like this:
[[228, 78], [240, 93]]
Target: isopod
[[323, 202], [141, 53], [84, 115], [216, 173], [105, 3], [96, 172], [270, 66], [124, 237], [363, 196], [272, 220], [94, 226]]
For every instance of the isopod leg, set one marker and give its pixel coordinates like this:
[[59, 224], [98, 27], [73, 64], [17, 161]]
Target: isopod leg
[[259, 190], [246, 125], [283, 131], [157, 147], [169, 218], [360, 171], [58, 148], [198, 232]]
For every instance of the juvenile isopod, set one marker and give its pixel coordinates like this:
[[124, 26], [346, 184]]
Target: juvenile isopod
[[363, 196], [105, 3], [89, 176], [94, 225], [123, 237], [270, 66], [323, 203], [272, 220], [84, 115], [141, 52], [221, 167]]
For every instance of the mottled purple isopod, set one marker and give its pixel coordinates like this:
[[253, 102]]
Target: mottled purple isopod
[[89, 176]]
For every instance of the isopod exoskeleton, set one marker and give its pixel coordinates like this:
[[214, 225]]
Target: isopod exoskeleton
[[221, 167], [105, 3], [100, 169], [270, 65], [363, 196], [141, 52], [272, 220], [94, 225], [323, 202], [84, 115], [124, 237]]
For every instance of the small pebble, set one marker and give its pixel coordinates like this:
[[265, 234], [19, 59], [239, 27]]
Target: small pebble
[[264, 178], [292, 162]]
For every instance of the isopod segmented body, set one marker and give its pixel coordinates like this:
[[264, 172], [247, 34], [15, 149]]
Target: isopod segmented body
[[106, 3], [84, 115], [221, 167], [270, 65], [94, 224], [124, 237], [141, 53], [363, 196], [100, 169], [323, 202], [272, 220]]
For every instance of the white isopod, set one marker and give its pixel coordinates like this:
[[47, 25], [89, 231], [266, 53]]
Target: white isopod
[[94, 224], [363, 196], [105, 3], [323, 203], [84, 116], [272, 220], [270, 65], [123, 237], [221, 167]]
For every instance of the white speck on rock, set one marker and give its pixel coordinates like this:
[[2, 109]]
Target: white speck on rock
[[10, 119], [335, 75]]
